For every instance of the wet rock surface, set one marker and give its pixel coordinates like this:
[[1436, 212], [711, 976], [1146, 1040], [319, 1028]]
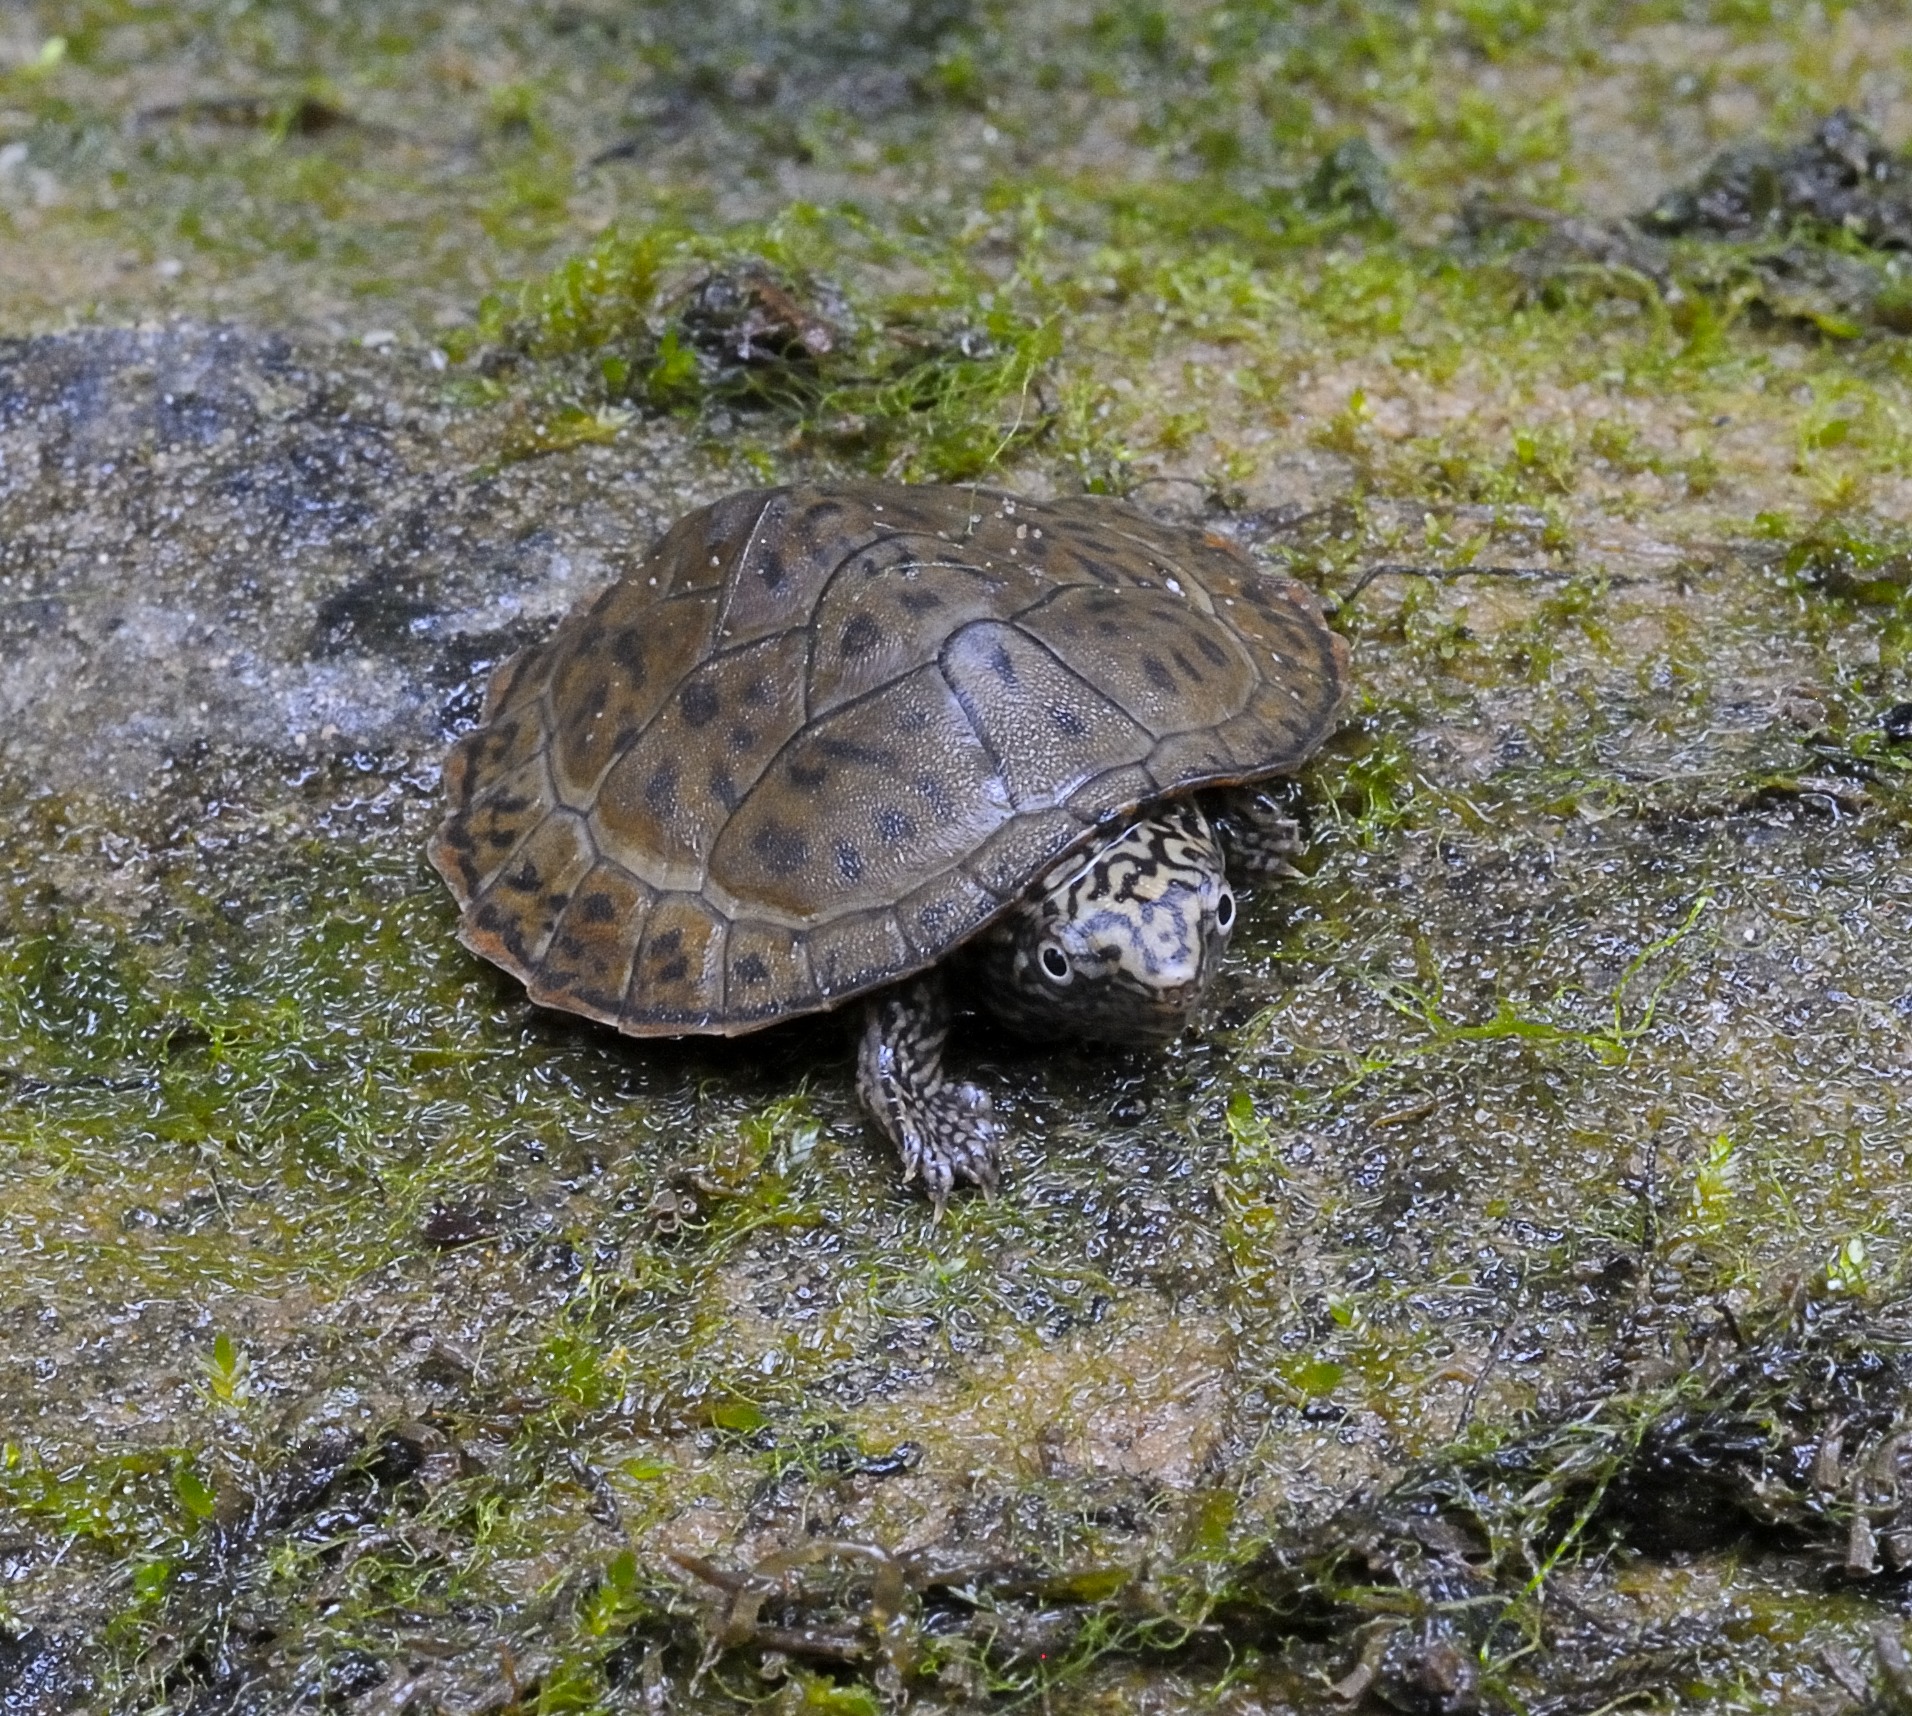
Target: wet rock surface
[[211, 537]]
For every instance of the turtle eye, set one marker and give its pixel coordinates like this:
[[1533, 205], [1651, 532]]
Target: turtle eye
[[1055, 963], [1225, 910]]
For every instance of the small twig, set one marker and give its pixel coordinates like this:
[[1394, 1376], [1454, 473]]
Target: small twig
[[1844, 1670], [1487, 1364]]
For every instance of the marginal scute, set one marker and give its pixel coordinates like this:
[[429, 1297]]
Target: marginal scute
[[530, 891], [1113, 793], [479, 838], [767, 973], [1021, 850], [678, 978], [519, 674], [587, 963], [820, 736], [857, 952], [942, 913]]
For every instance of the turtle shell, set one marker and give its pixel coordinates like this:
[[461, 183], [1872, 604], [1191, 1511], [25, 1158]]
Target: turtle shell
[[821, 736]]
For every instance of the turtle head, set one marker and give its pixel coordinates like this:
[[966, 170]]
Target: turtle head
[[1117, 943]]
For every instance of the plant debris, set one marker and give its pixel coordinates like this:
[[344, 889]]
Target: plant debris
[[1842, 179]]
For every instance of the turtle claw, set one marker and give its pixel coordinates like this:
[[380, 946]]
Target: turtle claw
[[946, 1138], [944, 1132]]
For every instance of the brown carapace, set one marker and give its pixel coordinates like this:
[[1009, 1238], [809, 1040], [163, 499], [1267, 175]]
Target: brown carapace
[[823, 736]]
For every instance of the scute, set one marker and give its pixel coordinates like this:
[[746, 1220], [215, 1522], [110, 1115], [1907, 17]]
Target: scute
[[891, 607], [821, 736], [1051, 727], [587, 964], [674, 787], [614, 675], [864, 805]]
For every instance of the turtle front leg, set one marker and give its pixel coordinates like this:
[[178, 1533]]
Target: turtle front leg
[[942, 1129], [1258, 836]]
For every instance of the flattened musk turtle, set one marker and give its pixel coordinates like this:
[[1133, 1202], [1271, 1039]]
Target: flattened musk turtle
[[888, 743]]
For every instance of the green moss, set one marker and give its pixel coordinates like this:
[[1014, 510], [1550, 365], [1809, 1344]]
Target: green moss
[[939, 379], [1853, 565]]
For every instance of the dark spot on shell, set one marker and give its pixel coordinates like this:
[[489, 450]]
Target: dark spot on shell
[[626, 737], [525, 878], [1213, 650], [597, 908], [1158, 674], [849, 861], [1068, 721], [853, 751], [1003, 668], [509, 806], [675, 972], [660, 791], [723, 789], [936, 795], [627, 650], [758, 693], [506, 930], [782, 848], [555, 903], [699, 702], [500, 838], [893, 825], [1189, 669], [919, 601], [741, 740], [667, 944], [809, 776], [751, 969], [1102, 574], [771, 571], [861, 636]]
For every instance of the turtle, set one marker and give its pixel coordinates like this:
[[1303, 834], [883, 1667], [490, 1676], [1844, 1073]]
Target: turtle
[[898, 744]]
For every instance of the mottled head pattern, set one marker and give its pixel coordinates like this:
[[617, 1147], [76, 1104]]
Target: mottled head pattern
[[1117, 944]]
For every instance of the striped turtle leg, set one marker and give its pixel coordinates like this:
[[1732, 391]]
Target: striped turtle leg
[[942, 1130], [1258, 836]]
